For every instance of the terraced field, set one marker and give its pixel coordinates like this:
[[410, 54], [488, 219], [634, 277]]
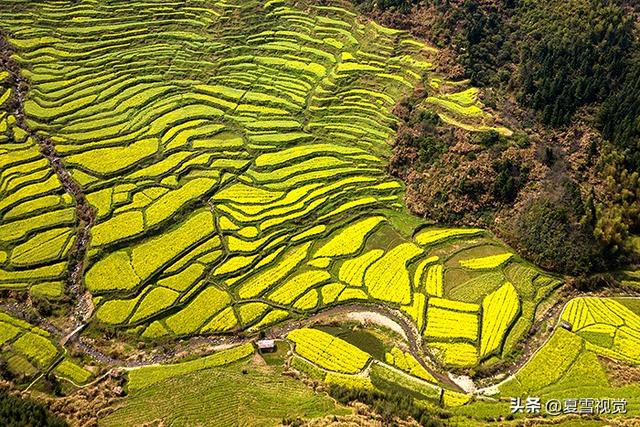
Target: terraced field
[[236, 180], [335, 361], [570, 363], [30, 351], [462, 109], [220, 167]]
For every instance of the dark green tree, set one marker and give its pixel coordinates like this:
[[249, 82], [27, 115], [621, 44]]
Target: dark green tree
[[17, 412]]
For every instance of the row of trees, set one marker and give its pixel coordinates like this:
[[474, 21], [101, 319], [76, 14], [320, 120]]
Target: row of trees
[[620, 114]]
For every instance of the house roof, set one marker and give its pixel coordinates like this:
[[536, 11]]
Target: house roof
[[265, 344]]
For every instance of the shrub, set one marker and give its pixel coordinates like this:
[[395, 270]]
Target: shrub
[[389, 405], [545, 232]]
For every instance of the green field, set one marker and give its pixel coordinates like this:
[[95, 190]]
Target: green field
[[29, 351], [223, 397], [569, 364], [366, 340], [565, 367]]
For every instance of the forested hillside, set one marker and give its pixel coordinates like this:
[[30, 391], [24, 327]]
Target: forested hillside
[[565, 76], [17, 412]]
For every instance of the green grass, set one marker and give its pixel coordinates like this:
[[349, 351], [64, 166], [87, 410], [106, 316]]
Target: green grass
[[548, 365], [553, 378], [277, 357], [222, 397], [73, 372], [307, 368], [144, 377]]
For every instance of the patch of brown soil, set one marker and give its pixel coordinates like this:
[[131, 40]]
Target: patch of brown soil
[[620, 374], [258, 362], [86, 406]]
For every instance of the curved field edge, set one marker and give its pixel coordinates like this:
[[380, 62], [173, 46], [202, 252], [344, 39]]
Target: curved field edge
[[576, 368], [260, 194], [31, 352], [267, 178]]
